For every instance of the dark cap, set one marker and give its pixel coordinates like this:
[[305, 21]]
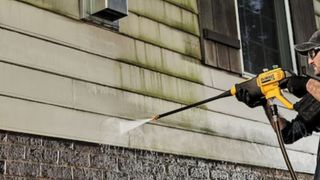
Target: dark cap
[[313, 42]]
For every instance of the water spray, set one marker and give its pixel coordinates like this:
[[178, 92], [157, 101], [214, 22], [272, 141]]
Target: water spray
[[130, 125]]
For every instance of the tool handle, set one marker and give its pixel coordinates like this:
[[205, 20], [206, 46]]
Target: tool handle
[[284, 101], [276, 93]]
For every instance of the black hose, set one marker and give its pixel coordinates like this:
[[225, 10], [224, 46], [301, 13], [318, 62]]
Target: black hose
[[225, 94], [281, 143]]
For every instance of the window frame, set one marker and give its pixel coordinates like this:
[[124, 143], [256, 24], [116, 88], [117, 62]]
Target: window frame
[[290, 34]]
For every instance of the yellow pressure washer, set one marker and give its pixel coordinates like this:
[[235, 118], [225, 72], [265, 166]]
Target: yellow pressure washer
[[265, 85]]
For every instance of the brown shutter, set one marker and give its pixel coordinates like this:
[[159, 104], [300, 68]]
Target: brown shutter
[[219, 35], [304, 25]]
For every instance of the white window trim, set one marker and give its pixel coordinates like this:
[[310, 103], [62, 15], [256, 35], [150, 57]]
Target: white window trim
[[290, 33], [239, 36]]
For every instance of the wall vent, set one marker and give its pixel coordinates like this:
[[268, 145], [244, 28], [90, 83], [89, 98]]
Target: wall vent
[[111, 10]]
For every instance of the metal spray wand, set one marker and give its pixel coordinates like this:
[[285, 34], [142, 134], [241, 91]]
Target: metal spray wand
[[225, 94]]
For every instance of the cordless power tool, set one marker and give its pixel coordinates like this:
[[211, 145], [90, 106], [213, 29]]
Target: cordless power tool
[[265, 85]]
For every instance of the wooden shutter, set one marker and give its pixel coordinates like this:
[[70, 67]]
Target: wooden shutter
[[219, 37], [304, 25]]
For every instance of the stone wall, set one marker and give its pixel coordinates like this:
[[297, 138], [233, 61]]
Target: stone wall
[[24, 156]]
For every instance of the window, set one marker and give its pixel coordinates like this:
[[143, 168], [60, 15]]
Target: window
[[104, 12], [267, 36], [264, 37]]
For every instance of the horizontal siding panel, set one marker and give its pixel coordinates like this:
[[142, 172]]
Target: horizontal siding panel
[[35, 85], [68, 8], [166, 13], [187, 4], [41, 119], [73, 33], [127, 77], [220, 148], [161, 35], [96, 40], [36, 118], [99, 99], [79, 65], [69, 62]]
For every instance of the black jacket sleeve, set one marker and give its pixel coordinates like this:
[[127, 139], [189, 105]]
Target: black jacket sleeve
[[295, 130], [307, 120]]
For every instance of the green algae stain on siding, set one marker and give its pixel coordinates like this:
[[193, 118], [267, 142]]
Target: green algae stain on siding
[[68, 8], [166, 13], [163, 74], [161, 35], [165, 61], [187, 4], [156, 84], [190, 22]]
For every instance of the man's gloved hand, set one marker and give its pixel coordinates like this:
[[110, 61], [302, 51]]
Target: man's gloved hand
[[248, 93], [243, 96], [296, 85]]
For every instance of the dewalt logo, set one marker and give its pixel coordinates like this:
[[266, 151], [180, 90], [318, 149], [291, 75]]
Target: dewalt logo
[[268, 78]]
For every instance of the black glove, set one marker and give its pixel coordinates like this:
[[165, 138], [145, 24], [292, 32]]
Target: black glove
[[296, 85], [309, 109], [248, 93]]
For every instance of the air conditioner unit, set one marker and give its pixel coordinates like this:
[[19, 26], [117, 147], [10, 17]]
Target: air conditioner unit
[[107, 9]]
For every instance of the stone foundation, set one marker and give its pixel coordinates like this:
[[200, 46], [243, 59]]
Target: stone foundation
[[24, 156]]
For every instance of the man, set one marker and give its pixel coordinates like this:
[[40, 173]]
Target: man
[[308, 108]]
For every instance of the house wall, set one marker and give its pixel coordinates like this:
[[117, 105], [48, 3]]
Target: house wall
[[65, 78]]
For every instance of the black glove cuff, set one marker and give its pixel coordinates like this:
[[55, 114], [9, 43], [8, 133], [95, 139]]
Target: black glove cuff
[[297, 85], [308, 108]]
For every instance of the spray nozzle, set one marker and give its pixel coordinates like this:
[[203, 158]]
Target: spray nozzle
[[154, 118]]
